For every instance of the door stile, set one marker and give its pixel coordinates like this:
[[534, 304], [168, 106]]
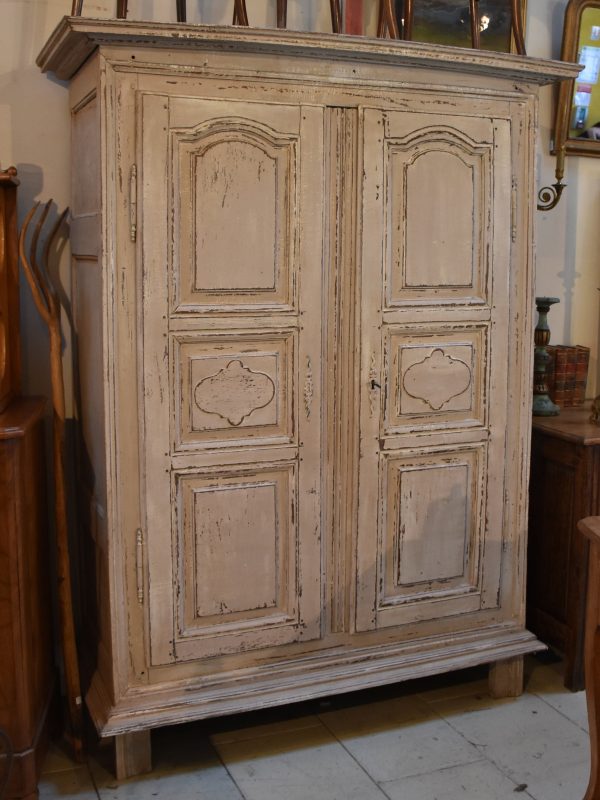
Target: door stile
[[342, 388]]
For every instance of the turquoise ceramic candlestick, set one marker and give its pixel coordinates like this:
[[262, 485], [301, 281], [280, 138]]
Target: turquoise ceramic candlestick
[[542, 404]]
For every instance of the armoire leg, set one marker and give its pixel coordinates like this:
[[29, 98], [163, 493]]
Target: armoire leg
[[133, 754], [506, 678]]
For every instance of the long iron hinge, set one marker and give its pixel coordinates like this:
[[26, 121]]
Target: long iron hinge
[[139, 564], [513, 210], [133, 203]]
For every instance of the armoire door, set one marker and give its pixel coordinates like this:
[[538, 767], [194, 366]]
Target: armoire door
[[230, 300], [436, 234]]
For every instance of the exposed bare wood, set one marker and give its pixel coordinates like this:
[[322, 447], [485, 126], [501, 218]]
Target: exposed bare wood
[[474, 20], [281, 13], [517, 26], [409, 13], [133, 754], [506, 678], [590, 528], [387, 22], [336, 16], [240, 14]]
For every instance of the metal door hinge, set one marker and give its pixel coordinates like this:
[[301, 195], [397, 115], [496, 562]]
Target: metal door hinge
[[139, 564], [514, 210], [133, 203]]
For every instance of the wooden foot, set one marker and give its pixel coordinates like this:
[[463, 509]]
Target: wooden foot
[[506, 678], [133, 754]]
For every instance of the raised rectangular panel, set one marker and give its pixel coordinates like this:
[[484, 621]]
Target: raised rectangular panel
[[236, 389], [238, 574], [432, 539], [439, 202], [234, 207], [431, 534], [234, 527], [436, 377]]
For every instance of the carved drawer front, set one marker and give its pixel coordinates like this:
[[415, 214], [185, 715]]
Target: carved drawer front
[[234, 390], [436, 377], [235, 173]]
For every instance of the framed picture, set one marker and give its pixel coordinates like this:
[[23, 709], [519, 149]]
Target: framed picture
[[448, 22]]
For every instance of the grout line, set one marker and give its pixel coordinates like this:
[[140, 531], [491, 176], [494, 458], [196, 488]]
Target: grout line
[[226, 768], [356, 761], [94, 784], [483, 750], [558, 711]]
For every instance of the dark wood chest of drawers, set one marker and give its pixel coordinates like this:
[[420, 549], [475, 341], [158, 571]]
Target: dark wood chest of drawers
[[564, 488], [26, 659]]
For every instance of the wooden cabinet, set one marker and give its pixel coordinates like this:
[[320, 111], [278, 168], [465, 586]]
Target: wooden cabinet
[[565, 487], [10, 366], [302, 282], [26, 666]]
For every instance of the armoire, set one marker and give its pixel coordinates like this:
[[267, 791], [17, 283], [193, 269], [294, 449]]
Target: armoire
[[302, 288]]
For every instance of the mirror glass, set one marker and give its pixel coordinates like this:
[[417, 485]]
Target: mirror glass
[[578, 112]]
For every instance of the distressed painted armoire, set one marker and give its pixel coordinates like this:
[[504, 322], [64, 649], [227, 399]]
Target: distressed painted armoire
[[303, 304]]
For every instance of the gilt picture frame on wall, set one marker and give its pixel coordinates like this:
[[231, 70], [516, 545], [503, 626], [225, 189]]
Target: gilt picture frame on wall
[[448, 22], [577, 120]]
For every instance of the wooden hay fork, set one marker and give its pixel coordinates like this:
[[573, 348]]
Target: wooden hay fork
[[240, 13], [388, 21], [47, 303]]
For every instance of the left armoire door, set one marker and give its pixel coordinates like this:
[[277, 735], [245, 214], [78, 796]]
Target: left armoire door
[[231, 282]]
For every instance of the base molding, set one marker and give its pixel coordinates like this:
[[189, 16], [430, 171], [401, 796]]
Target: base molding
[[317, 674]]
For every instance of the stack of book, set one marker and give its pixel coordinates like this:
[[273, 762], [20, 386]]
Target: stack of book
[[567, 374]]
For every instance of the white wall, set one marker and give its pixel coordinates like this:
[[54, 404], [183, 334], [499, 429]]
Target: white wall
[[34, 136]]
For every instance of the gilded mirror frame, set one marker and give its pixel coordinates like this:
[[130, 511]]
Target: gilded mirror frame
[[572, 43]]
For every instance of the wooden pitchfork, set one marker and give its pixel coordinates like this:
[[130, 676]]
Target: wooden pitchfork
[[240, 15], [388, 19], [77, 8], [47, 303]]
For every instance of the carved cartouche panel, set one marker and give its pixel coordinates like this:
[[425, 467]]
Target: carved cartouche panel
[[438, 187], [234, 237], [437, 379], [234, 392]]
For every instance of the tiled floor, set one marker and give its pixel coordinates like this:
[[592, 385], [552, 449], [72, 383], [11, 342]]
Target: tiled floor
[[430, 740]]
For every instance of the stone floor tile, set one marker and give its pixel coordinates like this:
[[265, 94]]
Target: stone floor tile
[[67, 784], [185, 767], [547, 682], [529, 741], [399, 738], [305, 764], [57, 760], [478, 780]]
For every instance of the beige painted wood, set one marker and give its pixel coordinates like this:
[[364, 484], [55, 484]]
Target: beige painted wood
[[439, 507], [304, 289]]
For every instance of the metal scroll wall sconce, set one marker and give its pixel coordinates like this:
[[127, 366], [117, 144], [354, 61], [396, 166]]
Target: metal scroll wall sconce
[[577, 120]]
